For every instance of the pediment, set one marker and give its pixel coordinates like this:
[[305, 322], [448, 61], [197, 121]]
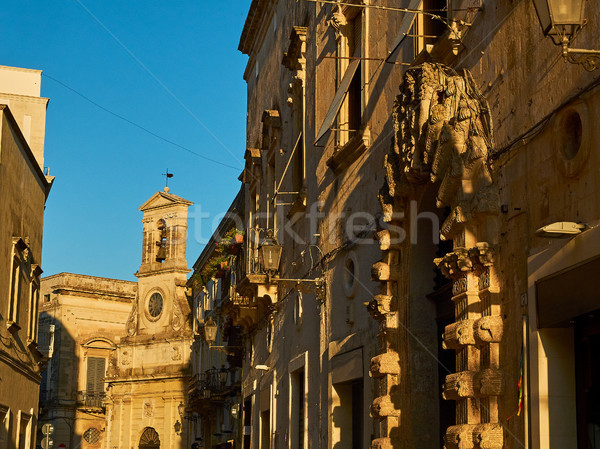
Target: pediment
[[163, 199]]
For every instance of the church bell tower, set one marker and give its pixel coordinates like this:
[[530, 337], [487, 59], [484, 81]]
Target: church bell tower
[[163, 272]]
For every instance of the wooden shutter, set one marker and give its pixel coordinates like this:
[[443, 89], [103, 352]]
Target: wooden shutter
[[95, 374]]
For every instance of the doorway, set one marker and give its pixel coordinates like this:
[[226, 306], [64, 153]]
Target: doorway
[[587, 380]]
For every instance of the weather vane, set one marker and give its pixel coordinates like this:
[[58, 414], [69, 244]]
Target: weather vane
[[167, 175]]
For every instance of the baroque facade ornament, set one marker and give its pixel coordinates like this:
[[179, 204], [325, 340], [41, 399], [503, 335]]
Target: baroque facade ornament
[[443, 133], [132, 321]]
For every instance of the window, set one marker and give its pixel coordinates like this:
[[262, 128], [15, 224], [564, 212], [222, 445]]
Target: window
[[344, 115], [92, 435], [350, 50], [426, 28], [23, 430], [96, 369], [34, 299], [15, 292]]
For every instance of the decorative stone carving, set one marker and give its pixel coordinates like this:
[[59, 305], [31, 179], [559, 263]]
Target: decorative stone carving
[[482, 254], [379, 306], [459, 385], [455, 263], [386, 363], [148, 408], [295, 60], [490, 382], [125, 358], [384, 239], [132, 320], [337, 20], [177, 320], [485, 330], [459, 437], [488, 329], [443, 132], [459, 334], [383, 407], [381, 271], [459, 285], [175, 353], [484, 279], [471, 384], [488, 436]]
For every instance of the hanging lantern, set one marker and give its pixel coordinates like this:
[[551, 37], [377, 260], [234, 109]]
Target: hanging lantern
[[269, 254]]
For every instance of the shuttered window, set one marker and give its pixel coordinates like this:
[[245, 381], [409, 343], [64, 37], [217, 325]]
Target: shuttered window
[[95, 374]]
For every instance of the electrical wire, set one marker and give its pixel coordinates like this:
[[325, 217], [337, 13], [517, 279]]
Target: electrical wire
[[146, 130], [537, 128]]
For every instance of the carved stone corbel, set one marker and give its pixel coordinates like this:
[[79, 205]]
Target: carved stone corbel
[[379, 306], [383, 364], [383, 407]]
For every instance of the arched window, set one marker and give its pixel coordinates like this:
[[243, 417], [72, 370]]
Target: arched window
[[149, 439]]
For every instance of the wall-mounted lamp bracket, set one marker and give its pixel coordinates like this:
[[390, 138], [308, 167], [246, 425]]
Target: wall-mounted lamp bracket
[[317, 286]]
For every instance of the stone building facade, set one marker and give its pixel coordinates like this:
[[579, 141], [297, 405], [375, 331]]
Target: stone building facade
[[119, 351], [150, 370], [23, 192], [444, 136], [81, 322]]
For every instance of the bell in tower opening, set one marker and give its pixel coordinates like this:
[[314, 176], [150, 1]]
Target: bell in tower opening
[[161, 255]]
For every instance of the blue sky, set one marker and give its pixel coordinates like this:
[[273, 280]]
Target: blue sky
[[106, 168]]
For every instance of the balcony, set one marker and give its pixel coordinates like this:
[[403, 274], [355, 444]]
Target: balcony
[[250, 280], [209, 388], [93, 400]]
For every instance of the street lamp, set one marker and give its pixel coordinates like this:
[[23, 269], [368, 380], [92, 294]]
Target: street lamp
[[210, 331], [269, 253], [561, 19], [181, 409], [223, 373]]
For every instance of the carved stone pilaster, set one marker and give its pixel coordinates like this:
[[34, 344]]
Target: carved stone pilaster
[[443, 135]]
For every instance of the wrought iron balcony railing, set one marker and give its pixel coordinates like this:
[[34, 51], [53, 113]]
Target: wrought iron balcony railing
[[91, 399]]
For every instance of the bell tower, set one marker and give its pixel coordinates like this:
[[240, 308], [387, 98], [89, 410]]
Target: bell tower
[[163, 273], [164, 233], [150, 368]]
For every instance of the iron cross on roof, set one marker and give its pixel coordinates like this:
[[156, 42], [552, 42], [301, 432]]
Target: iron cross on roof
[[167, 175]]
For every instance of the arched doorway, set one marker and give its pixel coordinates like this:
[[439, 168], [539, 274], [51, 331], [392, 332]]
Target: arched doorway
[[149, 439]]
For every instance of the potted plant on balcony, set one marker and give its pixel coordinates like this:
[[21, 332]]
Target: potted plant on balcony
[[233, 239]]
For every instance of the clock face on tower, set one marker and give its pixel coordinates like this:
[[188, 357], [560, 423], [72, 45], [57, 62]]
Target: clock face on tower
[[155, 305]]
